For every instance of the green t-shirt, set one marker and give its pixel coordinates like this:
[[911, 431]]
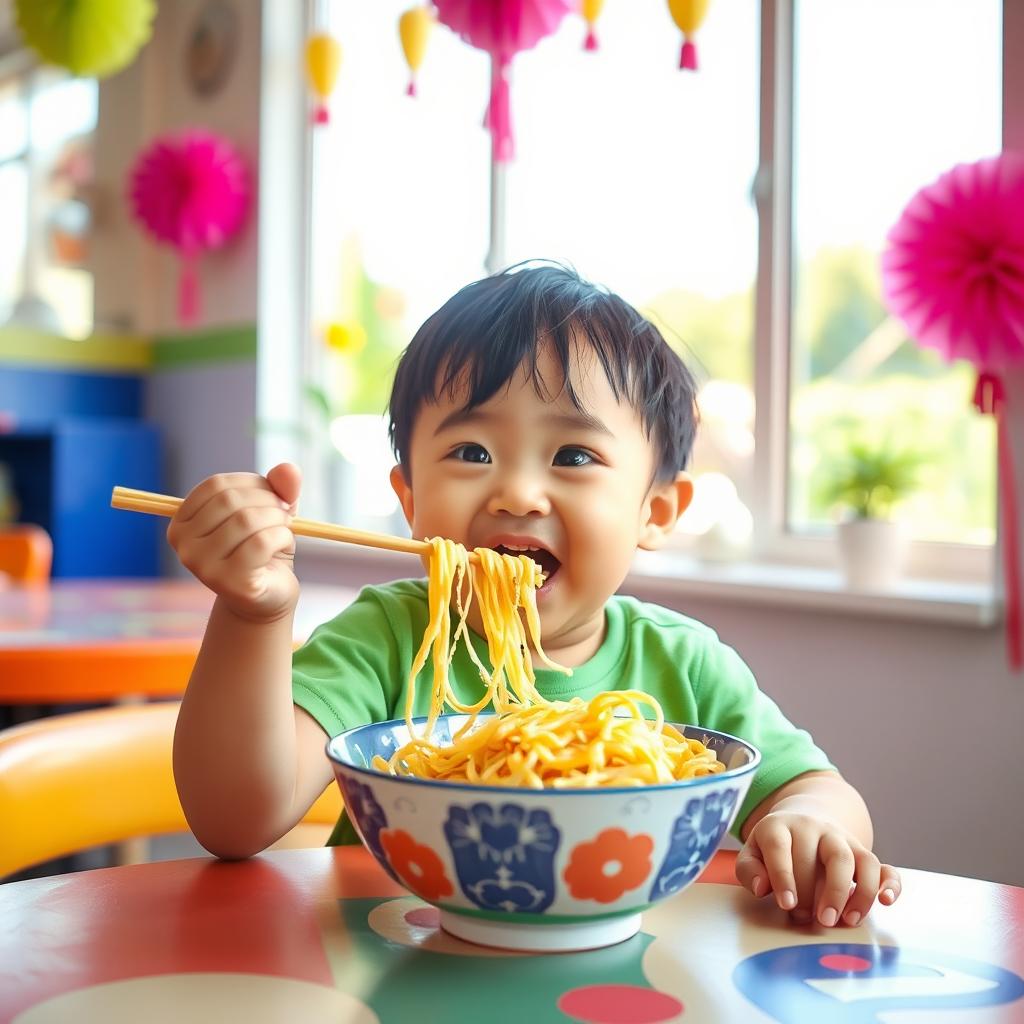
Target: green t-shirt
[[354, 670]]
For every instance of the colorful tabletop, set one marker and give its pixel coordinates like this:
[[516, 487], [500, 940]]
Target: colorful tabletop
[[99, 640], [325, 935]]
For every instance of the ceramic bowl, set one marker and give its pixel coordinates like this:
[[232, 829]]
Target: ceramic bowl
[[529, 869]]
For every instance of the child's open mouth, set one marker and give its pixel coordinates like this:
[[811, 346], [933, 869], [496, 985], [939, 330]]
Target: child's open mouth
[[549, 564]]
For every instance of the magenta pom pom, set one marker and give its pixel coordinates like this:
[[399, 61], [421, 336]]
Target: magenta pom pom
[[411, 90], [953, 272], [590, 43], [953, 269], [321, 115], [688, 56], [190, 192], [502, 28]]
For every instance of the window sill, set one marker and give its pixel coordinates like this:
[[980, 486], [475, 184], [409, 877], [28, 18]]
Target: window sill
[[657, 575], [662, 575]]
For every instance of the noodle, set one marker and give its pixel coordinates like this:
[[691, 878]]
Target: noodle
[[530, 741]]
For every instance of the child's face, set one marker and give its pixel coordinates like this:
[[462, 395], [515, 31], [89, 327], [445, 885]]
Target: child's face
[[522, 471]]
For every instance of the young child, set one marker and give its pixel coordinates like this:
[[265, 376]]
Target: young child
[[531, 411]]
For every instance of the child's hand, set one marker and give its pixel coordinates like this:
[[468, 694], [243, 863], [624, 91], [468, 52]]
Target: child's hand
[[232, 533], [810, 865]]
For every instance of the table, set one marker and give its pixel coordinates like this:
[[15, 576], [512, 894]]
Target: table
[[105, 640], [325, 935]]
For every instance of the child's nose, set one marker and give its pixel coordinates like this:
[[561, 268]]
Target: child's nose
[[518, 494]]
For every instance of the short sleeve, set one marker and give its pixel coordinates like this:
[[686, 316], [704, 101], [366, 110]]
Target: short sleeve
[[729, 700], [348, 673]]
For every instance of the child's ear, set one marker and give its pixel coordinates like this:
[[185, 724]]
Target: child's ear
[[403, 489], [665, 504]]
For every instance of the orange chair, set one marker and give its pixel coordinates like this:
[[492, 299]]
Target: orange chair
[[26, 553], [97, 777]]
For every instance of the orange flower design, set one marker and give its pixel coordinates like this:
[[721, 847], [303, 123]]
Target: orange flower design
[[609, 865], [418, 867]]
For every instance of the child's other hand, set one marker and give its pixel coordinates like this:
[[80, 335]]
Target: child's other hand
[[232, 533], [810, 865]]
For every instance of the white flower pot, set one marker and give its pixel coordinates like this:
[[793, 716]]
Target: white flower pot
[[872, 552]]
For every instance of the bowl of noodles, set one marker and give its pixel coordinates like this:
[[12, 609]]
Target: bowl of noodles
[[532, 824], [555, 868]]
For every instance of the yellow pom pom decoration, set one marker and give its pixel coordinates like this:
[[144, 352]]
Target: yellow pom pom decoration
[[346, 336], [323, 62], [414, 31]]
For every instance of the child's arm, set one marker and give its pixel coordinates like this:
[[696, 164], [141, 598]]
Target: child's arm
[[247, 763], [808, 842]]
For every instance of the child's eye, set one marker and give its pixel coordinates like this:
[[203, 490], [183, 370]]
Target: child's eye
[[573, 457], [470, 453]]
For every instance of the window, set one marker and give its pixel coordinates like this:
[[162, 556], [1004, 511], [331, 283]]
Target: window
[[46, 123], [878, 113], [743, 208]]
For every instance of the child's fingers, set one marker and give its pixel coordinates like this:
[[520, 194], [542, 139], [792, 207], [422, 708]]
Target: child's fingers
[[208, 556], [805, 872], [867, 875], [775, 846], [837, 864], [286, 480], [258, 549], [213, 485], [890, 884], [228, 505], [751, 872]]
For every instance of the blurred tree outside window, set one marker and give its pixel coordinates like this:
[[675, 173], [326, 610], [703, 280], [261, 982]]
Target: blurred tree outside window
[[882, 108], [47, 121]]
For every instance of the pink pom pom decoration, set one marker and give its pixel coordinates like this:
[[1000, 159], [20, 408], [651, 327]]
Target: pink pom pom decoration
[[502, 28], [190, 192], [953, 272]]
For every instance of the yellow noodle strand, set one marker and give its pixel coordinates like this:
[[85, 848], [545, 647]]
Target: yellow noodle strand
[[530, 742]]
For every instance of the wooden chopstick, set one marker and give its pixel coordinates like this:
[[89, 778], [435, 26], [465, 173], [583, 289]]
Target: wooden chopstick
[[166, 505]]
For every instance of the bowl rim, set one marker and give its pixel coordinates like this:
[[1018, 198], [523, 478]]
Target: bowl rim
[[697, 781]]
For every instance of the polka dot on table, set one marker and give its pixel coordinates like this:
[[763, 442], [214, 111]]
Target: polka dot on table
[[619, 1004], [424, 917], [845, 963]]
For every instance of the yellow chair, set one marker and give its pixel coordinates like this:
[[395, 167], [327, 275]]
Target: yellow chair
[[97, 777], [26, 553]]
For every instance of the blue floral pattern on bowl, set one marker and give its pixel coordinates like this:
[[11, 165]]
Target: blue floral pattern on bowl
[[504, 856], [696, 834], [366, 813]]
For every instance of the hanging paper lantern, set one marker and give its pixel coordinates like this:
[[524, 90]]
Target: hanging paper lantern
[[323, 62], [502, 28], [414, 31], [91, 38], [688, 15], [953, 272], [591, 11], [190, 192]]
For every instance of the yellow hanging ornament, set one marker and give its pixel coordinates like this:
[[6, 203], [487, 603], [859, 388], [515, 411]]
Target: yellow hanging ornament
[[688, 15], [323, 61], [414, 31], [346, 336], [591, 11]]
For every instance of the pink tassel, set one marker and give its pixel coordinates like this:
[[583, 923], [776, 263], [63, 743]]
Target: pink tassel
[[411, 90], [499, 116], [590, 43], [188, 291], [688, 56], [321, 115], [990, 399]]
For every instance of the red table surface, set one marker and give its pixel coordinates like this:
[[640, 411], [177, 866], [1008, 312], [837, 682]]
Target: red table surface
[[324, 934]]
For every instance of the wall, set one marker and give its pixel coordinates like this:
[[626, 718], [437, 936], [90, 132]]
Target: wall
[[204, 401]]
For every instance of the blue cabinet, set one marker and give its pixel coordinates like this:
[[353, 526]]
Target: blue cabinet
[[62, 475]]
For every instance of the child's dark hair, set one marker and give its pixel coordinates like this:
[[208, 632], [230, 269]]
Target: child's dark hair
[[485, 332]]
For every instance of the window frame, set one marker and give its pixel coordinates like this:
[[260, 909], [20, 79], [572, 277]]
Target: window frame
[[774, 542]]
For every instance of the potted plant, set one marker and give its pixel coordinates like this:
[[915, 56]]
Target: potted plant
[[865, 482]]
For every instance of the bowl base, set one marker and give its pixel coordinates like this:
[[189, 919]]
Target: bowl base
[[541, 938]]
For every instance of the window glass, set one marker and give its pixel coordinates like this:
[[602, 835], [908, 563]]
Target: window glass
[[399, 222], [886, 99], [640, 175]]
